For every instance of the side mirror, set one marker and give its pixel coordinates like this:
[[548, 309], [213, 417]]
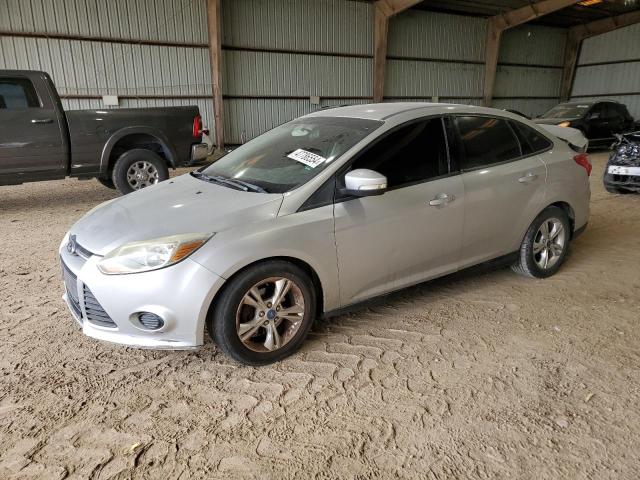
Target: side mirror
[[364, 183], [594, 116]]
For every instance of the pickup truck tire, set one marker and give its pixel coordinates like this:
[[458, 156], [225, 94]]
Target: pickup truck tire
[[107, 182], [138, 168]]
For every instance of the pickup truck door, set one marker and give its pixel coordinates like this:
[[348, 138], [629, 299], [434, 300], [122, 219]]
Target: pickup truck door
[[33, 142]]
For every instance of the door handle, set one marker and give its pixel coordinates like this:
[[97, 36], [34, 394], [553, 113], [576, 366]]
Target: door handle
[[41, 120], [528, 178], [441, 200]]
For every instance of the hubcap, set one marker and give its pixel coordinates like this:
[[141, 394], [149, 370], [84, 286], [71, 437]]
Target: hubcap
[[142, 174], [270, 314], [549, 243]]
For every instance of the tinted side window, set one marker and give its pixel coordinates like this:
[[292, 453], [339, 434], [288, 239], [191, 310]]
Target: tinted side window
[[597, 111], [17, 93], [411, 154], [486, 140], [535, 142]]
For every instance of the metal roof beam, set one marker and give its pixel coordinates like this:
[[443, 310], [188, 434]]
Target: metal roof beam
[[383, 11], [214, 26], [499, 23], [574, 40]]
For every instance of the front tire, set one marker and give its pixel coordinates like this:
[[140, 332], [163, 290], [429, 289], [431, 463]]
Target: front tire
[[545, 244], [137, 169], [264, 313], [620, 191]]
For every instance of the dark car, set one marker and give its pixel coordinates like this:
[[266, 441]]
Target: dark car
[[598, 121], [127, 149], [622, 174]]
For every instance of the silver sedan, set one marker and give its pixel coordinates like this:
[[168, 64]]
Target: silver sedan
[[323, 212]]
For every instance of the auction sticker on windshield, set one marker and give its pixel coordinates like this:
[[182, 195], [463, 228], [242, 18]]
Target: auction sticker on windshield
[[310, 159]]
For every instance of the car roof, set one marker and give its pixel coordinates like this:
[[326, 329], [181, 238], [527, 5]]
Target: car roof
[[383, 111]]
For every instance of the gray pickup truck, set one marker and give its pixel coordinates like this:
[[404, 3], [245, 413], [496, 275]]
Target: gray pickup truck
[[126, 149]]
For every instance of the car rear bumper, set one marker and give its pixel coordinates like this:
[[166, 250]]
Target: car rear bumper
[[107, 307], [199, 151]]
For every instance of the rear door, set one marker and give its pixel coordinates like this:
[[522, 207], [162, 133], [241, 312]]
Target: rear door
[[32, 143], [413, 231], [598, 123], [504, 186]]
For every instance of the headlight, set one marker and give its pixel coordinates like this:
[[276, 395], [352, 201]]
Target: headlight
[[564, 124], [136, 257]]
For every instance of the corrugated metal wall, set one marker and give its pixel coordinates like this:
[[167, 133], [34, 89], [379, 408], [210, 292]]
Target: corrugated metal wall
[[279, 53], [530, 69], [440, 55], [609, 68], [117, 61], [276, 55]]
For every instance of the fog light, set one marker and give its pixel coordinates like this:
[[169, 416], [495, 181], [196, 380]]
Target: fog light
[[150, 321]]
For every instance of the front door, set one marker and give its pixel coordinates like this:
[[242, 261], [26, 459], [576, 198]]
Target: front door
[[413, 231], [32, 143]]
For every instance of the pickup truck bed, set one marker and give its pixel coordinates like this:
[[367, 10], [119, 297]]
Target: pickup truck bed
[[40, 141]]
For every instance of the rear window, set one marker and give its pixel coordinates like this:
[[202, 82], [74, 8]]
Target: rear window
[[485, 141], [531, 140], [17, 94]]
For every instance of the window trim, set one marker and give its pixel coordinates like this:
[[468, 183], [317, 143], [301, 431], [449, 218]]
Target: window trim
[[535, 152], [508, 120], [342, 170], [33, 86]]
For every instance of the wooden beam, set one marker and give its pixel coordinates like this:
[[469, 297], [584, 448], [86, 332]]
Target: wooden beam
[[383, 11], [499, 23], [214, 26], [580, 32]]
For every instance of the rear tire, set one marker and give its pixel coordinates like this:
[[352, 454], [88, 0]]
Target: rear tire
[[252, 324], [137, 169], [107, 182], [545, 244]]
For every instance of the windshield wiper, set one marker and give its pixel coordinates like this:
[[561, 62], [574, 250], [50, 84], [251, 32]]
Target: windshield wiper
[[229, 182], [248, 186]]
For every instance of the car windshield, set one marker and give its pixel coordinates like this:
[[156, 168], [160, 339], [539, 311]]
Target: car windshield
[[289, 155], [567, 110]]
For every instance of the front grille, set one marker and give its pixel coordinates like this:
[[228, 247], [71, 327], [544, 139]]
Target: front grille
[[71, 285], [94, 311]]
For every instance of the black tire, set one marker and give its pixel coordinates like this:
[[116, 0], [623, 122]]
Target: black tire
[[526, 264], [107, 182], [621, 191], [131, 157], [221, 322]]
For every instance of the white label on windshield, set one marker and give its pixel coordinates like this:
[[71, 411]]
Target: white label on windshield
[[310, 159]]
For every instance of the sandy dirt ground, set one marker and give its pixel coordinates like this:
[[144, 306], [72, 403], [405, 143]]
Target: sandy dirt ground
[[486, 375]]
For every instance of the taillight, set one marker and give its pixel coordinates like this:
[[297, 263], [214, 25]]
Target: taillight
[[583, 160], [197, 126]]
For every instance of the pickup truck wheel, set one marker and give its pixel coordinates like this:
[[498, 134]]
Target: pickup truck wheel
[[137, 169], [107, 182]]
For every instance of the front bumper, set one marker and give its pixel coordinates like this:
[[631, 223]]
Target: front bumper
[[628, 182], [179, 294]]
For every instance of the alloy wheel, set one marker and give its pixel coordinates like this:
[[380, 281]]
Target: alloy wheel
[[142, 174], [549, 243], [270, 314]]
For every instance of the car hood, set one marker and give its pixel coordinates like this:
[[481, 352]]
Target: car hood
[[181, 205], [552, 121]]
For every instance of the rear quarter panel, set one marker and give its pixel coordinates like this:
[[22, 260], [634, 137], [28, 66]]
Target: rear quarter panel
[[567, 182], [90, 130]]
